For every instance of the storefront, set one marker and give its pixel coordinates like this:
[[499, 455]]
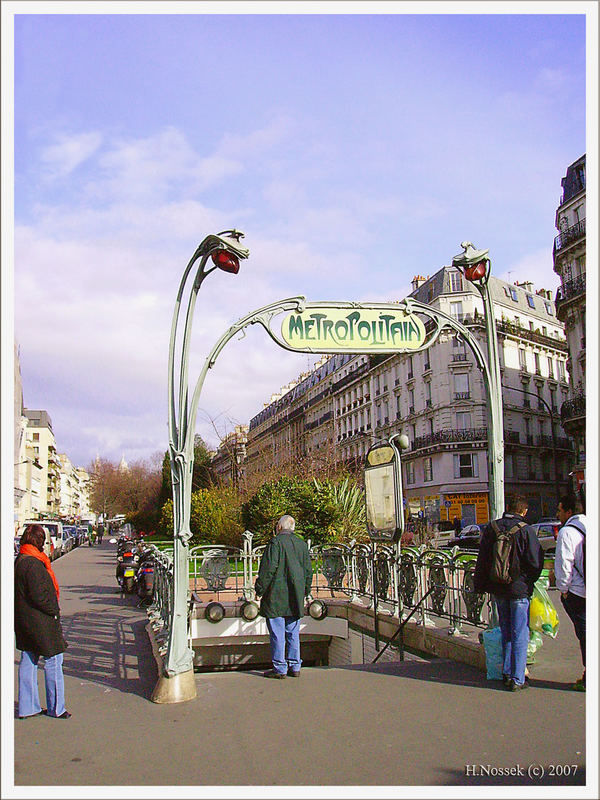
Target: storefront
[[470, 507]]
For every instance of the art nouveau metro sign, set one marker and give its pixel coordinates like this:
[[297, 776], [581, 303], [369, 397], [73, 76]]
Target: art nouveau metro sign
[[320, 327]]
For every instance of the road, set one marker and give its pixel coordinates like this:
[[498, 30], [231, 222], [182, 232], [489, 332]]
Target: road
[[416, 723]]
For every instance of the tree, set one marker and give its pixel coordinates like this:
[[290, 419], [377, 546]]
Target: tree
[[133, 491]]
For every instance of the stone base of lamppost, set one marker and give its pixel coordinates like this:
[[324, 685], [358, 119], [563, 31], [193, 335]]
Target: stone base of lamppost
[[175, 688]]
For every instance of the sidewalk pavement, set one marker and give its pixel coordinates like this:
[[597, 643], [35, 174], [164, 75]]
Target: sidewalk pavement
[[422, 723]]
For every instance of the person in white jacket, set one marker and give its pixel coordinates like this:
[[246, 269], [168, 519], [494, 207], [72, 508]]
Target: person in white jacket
[[569, 569]]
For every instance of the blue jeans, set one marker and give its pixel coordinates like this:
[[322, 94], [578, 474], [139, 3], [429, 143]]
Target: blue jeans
[[513, 615], [29, 701], [285, 631]]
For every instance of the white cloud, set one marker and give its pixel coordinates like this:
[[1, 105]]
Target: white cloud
[[68, 152], [535, 267]]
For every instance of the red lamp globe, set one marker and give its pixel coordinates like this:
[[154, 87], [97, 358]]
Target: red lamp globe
[[226, 261], [475, 272]]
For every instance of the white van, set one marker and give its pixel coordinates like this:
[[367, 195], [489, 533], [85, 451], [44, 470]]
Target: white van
[[54, 535]]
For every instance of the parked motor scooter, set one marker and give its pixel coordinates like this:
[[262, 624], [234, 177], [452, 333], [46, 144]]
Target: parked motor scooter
[[145, 578], [127, 568]]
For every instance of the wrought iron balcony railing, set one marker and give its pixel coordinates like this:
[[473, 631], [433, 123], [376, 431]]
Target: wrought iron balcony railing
[[569, 236], [573, 408], [570, 289], [457, 435]]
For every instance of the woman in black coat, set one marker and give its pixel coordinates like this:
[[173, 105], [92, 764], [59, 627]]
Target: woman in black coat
[[37, 627]]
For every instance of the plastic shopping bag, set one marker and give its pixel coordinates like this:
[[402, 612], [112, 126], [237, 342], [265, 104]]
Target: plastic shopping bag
[[542, 614], [492, 643], [533, 645]]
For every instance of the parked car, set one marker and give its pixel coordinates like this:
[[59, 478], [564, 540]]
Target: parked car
[[69, 540], [547, 531], [82, 534], [53, 544], [463, 542], [470, 530]]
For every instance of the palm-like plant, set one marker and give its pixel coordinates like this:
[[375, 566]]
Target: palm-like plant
[[348, 500]]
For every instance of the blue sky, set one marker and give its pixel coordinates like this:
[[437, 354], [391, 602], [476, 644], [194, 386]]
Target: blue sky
[[354, 150]]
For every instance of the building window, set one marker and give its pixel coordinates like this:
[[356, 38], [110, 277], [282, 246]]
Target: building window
[[456, 310], [427, 469], [461, 386], [561, 370], [409, 365], [530, 301], [430, 427], [549, 309], [522, 360], [544, 330], [463, 420], [456, 282], [530, 325], [410, 472], [550, 367], [518, 322], [427, 393], [465, 465], [411, 401], [35, 437], [536, 359], [514, 295]]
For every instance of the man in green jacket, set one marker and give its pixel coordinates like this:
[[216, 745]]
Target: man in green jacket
[[284, 580]]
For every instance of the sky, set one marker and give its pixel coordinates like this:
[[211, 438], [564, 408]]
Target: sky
[[354, 150]]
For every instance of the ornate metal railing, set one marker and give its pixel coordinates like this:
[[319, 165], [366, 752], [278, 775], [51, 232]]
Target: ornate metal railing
[[570, 289], [569, 235], [458, 435], [395, 583], [573, 408]]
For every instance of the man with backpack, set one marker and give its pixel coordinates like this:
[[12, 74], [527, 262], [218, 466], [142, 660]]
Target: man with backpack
[[569, 569], [509, 562]]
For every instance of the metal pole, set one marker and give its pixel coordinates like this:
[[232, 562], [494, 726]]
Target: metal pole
[[495, 410], [476, 267]]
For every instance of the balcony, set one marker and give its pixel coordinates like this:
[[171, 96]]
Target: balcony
[[570, 290], [572, 415], [572, 234], [448, 436], [511, 329], [459, 357], [462, 395]]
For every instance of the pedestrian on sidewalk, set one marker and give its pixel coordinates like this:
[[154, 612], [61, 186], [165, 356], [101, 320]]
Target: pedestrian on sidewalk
[[37, 627], [284, 580], [509, 562], [569, 569]]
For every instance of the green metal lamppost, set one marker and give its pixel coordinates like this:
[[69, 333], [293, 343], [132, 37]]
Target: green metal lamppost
[[224, 251], [476, 267]]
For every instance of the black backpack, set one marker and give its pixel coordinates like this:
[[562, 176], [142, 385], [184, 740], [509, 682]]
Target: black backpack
[[504, 568], [577, 528]]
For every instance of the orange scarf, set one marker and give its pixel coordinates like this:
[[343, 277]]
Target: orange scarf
[[31, 550]]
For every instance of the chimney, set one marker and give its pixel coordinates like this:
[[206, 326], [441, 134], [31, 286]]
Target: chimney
[[417, 281]]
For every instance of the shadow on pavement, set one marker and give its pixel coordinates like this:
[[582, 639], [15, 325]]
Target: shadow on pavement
[[447, 671], [109, 646]]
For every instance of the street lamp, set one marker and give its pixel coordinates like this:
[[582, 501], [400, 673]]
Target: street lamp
[[476, 267], [225, 251]]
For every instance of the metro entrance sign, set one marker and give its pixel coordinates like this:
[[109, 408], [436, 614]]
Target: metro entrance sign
[[335, 328]]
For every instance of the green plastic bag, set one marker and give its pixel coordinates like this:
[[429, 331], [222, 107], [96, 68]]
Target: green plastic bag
[[542, 614], [533, 645]]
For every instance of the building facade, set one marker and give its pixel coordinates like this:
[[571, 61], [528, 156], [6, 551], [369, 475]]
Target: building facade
[[569, 264], [227, 462], [437, 397]]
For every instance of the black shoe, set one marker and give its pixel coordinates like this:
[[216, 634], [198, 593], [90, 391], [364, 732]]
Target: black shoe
[[272, 673], [28, 716], [293, 673], [506, 680], [517, 687]]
